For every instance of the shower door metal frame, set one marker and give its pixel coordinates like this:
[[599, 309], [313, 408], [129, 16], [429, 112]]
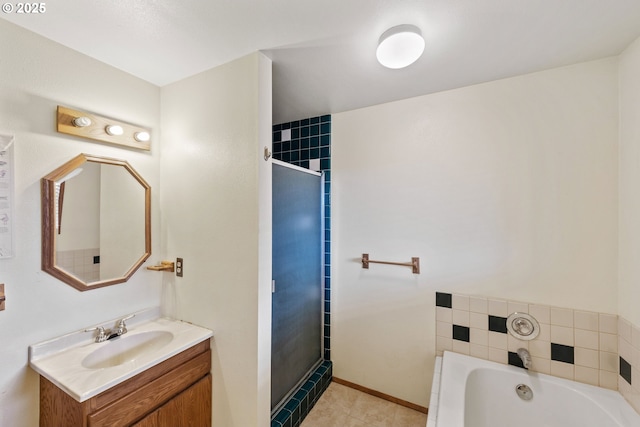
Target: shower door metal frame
[[275, 408]]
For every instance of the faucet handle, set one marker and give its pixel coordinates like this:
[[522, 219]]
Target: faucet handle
[[121, 327], [101, 335]]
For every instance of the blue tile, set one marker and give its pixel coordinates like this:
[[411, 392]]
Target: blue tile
[[304, 143], [304, 132], [295, 144], [304, 164], [293, 406], [276, 127], [314, 120], [304, 122], [283, 417], [315, 130], [325, 152], [326, 118], [325, 164], [277, 136], [286, 146], [327, 353], [286, 126], [325, 140], [327, 319], [325, 128], [295, 133], [314, 153], [277, 147], [295, 124], [315, 141]]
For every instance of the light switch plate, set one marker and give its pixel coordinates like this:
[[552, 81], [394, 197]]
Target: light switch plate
[[179, 267]]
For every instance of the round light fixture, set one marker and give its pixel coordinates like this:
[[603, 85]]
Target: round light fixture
[[82, 122], [142, 136], [400, 46], [114, 130]]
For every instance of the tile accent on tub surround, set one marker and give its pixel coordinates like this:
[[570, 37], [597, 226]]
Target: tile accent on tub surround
[[573, 344], [629, 361]]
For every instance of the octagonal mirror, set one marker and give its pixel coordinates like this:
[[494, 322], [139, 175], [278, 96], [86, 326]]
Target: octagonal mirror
[[96, 222]]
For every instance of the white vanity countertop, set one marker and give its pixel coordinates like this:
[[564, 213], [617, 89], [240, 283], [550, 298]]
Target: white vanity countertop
[[60, 359]]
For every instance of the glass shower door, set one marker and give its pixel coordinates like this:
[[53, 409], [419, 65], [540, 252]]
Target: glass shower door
[[296, 343]]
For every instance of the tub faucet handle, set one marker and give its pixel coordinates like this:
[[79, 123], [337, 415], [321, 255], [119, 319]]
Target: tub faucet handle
[[524, 355]]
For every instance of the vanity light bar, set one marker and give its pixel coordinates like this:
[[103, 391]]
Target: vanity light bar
[[103, 129]]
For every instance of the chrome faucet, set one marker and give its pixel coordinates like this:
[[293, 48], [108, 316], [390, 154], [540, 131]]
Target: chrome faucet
[[107, 334], [524, 355], [102, 334], [121, 327]]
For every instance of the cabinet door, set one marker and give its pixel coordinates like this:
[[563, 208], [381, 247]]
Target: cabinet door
[[191, 408], [150, 420]]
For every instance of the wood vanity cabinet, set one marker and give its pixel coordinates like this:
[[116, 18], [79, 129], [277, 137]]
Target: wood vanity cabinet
[[174, 393]]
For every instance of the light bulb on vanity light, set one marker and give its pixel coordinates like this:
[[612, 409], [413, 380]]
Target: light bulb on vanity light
[[114, 130], [142, 136], [82, 122], [400, 46]]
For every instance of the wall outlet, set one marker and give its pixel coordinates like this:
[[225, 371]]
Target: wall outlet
[[179, 267]]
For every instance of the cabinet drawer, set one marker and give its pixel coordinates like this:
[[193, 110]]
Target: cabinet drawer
[[149, 396]]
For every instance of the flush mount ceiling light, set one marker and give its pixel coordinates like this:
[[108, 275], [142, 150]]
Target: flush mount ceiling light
[[400, 46]]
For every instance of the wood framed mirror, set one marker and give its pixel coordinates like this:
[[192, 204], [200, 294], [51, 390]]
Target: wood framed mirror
[[96, 222]]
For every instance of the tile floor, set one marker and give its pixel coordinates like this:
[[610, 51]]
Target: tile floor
[[342, 406]]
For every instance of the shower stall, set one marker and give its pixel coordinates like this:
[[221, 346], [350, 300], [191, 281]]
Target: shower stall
[[297, 323]]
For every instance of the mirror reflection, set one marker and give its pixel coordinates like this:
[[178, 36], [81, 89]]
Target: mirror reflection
[[96, 222]]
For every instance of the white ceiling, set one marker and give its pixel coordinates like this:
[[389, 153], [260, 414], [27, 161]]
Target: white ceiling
[[323, 51]]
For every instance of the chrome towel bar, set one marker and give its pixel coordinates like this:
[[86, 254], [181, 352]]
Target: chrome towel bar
[[414, 264]]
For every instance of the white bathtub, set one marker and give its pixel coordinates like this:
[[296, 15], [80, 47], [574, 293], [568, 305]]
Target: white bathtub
[[470, 392]]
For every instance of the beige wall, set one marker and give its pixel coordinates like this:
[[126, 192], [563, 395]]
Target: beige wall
[[629, 216], [37, 75], [216, 205], [505, 189]]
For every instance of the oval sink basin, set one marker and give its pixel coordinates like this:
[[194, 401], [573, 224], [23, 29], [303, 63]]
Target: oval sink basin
[[126, 348]]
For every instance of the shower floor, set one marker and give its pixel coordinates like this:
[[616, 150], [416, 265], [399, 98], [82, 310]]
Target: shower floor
[[342, 406]]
